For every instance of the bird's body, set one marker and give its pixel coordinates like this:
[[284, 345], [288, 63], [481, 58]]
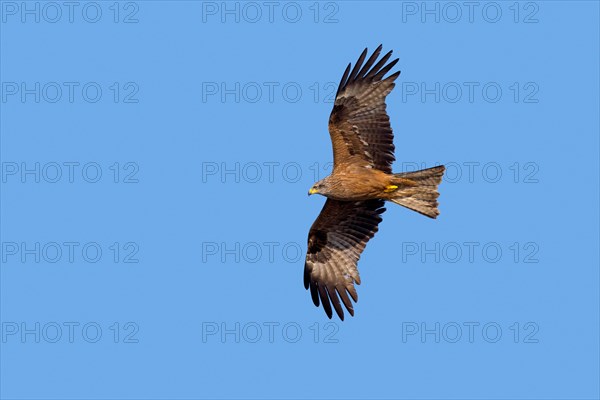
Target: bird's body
[[342, 183], [361, 181]]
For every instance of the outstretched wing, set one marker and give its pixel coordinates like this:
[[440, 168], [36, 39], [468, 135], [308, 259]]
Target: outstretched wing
[[335, 243], [358, 125]]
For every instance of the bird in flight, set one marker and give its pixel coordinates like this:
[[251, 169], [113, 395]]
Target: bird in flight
[[361, 182]]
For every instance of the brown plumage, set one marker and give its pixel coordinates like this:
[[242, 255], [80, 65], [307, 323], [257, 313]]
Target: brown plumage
[[361, 182]]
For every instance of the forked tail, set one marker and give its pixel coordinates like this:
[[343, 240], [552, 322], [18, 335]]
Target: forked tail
[[418, 190]]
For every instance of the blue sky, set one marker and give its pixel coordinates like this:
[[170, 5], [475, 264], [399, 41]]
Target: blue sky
[[155, 160]]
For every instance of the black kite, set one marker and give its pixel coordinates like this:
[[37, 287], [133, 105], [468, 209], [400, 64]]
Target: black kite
[[361, 182]]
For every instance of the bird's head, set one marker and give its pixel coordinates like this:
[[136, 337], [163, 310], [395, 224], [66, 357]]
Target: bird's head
[[320, 187]]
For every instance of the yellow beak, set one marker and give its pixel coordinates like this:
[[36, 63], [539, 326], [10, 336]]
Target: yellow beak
[[312, 191]]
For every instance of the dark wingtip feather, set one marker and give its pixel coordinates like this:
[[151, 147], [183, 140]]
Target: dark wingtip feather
[[385, 70], [325, 301], [336, 302], [369, 62], [346, 300], [306, 278], [358, 65], [343, 81], [393, 77], [314, 295], [380, 64], [353, 293]]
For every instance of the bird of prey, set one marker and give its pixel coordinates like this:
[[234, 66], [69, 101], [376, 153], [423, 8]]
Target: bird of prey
[[361, 182]]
